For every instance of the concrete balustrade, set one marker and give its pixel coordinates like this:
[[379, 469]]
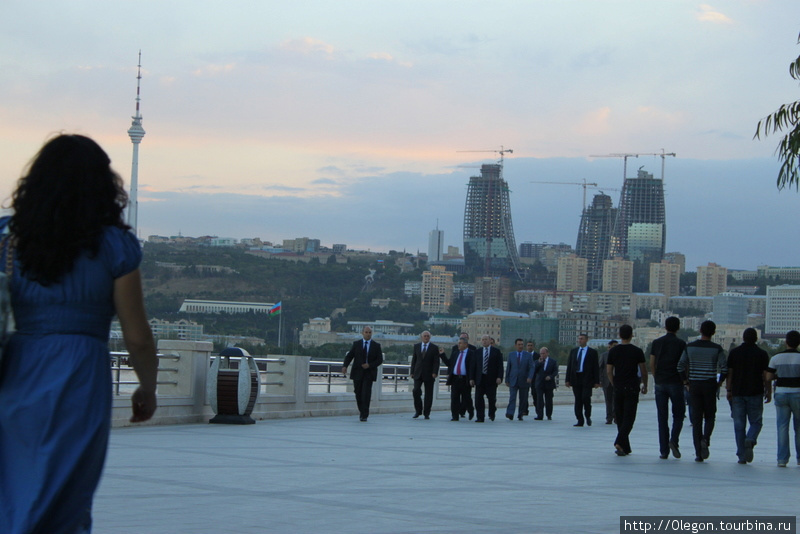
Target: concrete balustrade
[[284, 391]]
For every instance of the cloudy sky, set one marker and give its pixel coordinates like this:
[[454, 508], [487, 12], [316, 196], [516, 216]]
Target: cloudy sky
[[346, 120]]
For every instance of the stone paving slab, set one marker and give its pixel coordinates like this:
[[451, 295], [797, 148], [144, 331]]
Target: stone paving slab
[[395, 474]]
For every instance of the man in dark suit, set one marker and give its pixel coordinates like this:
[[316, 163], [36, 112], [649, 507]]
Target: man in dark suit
[[583, 374], [425, 370], [458, 368], [519, 375], [545, 377], [485, 376], [366, 356]]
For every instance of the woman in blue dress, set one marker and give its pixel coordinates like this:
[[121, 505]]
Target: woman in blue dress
[[76, 265]]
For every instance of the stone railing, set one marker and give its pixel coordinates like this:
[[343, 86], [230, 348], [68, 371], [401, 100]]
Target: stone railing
[[286, 389]]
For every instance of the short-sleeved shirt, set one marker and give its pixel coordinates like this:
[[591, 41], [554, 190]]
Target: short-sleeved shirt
[[748, 362], [668, 350], [786, 366], [626, 359]]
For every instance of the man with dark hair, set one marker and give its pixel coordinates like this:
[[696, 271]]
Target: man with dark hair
[[425, 371], [747, 390], [784, 368], [583, 374], [605, 383], [625, 363], [458, 379], [485, 376], [519, 375], [665, 354], [704, 366]]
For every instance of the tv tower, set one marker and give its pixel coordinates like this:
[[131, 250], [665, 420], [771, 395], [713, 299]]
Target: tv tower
[[136, 133]]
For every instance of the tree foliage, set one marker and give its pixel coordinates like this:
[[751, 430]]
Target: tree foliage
[[787, 117]]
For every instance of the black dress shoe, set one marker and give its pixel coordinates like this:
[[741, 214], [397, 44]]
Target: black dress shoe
[[362, 419], [549, 418], [416, 415], [578, 424], [589, 421], [491, 417], [479, 420], [454, 419], [509, 417], [519, 418], [538, 418], [471, 415], [427, 417]]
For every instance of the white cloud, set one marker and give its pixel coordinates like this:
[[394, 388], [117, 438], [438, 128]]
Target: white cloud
[[708, 14]]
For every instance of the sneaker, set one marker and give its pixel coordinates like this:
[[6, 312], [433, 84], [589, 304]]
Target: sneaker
[[748, 450], [704, 449], [673, 447]]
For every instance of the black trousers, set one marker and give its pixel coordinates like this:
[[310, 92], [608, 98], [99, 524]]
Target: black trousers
[[460, 397], [626, 402], [419, 406], [608, 395], [583, 400], [488, 387], [703, 396], [544, 401], [362, 388]]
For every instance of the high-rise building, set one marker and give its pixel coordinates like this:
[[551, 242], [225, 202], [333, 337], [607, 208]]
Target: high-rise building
[[594, 237], [489, 246], [665, 278], [617, 275], [571, 274], [435, 245], [437, 290], [730, 308], [676, 257], [492, 292], [783, 310], [640, 232], [712, 279]]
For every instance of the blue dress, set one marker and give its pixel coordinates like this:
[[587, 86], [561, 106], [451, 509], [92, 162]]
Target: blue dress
[[55, 391]]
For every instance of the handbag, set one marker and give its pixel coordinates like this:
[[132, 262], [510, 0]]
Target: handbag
[[7, 325]]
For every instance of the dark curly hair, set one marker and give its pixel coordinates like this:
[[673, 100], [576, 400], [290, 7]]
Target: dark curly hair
[[62, 204]]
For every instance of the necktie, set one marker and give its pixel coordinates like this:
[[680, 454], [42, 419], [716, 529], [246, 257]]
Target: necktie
[[581, 354], [519, 357], [486, 361], [460, 364], [424, 348], [366, 348]]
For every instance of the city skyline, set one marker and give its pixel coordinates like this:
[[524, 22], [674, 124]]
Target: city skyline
[[270, 120]]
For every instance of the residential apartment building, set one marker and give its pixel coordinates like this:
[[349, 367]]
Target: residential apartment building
[[712, 279], [571, 274], [437, 290], [665, 278], [618, 275], [492, 292], [783, 310]]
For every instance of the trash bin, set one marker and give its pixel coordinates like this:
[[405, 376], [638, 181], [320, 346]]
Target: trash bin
[[231, 392]]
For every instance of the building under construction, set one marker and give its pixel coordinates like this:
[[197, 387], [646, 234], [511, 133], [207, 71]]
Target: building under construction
[[640, 232], [594, 238], [489, 246]]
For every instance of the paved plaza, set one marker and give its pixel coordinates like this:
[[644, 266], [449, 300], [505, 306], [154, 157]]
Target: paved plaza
[[395, 474]]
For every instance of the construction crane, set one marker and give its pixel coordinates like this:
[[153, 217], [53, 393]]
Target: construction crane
[[625, 157], [502, 152], [583, 184]]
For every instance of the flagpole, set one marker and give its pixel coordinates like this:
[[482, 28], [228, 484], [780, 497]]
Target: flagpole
[[280, 326]]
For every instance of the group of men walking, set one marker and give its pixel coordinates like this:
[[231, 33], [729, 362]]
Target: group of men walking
[[684, 373]]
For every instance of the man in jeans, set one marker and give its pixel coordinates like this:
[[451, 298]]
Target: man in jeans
[[665, 354], [705, 363], [747, 389], [784, 368]]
